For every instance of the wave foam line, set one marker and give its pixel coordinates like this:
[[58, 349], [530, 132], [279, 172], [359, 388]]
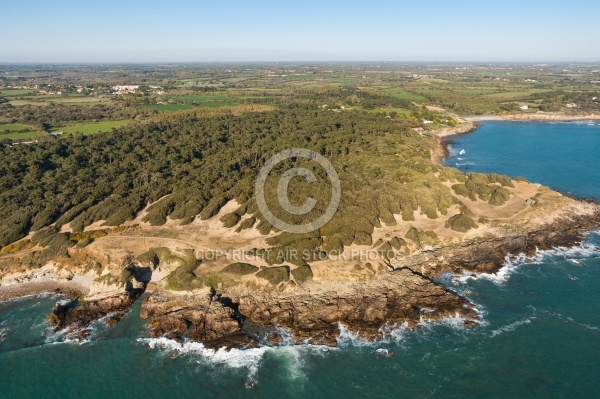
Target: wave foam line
[[512, 263], [235, 358], [398, 333], [249, 359], [512, 326]]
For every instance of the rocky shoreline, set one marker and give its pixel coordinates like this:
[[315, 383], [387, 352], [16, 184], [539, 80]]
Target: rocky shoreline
[[406, 295], [237, 317], [442, 150]]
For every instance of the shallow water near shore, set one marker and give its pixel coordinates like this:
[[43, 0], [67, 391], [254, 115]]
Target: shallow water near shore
[[562, 155], [539, 335]]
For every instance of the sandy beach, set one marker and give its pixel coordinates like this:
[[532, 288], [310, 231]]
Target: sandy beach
[[540, 116]]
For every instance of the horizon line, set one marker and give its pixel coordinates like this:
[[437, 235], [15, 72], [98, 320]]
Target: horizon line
[[295, 61]]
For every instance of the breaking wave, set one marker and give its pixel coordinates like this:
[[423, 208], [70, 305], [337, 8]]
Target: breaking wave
[[570, 320], [512, 326], [574, 255], [235, 358], [292, 357]]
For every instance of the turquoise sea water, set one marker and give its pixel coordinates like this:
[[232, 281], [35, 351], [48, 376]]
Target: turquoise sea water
[[540, 335]]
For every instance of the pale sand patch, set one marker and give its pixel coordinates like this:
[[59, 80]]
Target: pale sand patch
[[540, 116], [452, 131], [435, 109], [201, 236]]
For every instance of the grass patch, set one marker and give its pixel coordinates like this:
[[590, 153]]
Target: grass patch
[[168, 107], [389, 110], [16, 92], [14, 127], [433, 80], [205, 100], [91, 128], [18, 135], [302, 274], [515, 94], [403, 94], [481, 91]]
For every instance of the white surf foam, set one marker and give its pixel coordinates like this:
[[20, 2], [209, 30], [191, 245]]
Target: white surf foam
[[452, 152], [349, 338], [512, 326], [49, 295], [291, 356], [95, 329], [391, 333], [398, 334], [235, 358], [572, 321], [456, 322], [573, 255], [588, 327], [585, 250], [498, 278]]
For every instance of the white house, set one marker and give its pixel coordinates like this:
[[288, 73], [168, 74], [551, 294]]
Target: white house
[[124, 89]]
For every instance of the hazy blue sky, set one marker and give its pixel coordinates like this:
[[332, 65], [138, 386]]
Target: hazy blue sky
[[458, 30]]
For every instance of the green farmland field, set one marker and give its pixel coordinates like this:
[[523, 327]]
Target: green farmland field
[[91, 128], [167, 107], [17, 131], [403, 94], [15, 92]]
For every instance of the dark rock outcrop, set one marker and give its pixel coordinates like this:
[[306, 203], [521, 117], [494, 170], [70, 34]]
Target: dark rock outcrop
[[489, 255], [239, 319], [199, 318], [76, 316]]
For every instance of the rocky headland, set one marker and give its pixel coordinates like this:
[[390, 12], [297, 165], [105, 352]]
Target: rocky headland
[[223, 303]]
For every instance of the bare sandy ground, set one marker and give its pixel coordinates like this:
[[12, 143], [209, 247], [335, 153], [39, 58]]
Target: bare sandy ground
[[540, 116]]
